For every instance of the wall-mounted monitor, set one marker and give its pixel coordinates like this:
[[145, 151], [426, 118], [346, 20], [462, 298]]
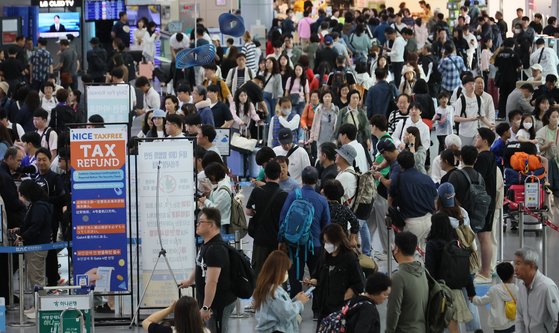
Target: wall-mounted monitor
[[55, 25], [97, 10]]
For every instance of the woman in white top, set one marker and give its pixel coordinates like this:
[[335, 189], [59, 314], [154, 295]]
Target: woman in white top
[[243, 111], [382, 62], [147, 124], [485, 58], [297, 87], [140, 31], [149, 41], [220, 196], [158, 128], [472, 46], [172, 105]]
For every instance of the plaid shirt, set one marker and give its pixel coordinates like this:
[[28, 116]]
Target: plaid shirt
[[450, 69], [41, 60]]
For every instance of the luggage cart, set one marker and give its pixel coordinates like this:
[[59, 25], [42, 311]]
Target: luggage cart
[[530, 195], [65, 313]]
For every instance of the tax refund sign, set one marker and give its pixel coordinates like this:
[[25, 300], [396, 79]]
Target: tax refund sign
[[99, 219]]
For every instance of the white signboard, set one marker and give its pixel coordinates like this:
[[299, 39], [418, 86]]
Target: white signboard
[[112, 102], [222, 141], [176, 216]]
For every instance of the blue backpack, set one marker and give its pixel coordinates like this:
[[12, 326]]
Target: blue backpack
[[295, 229]]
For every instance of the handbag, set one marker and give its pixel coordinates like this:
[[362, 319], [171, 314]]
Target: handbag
[[66, 78], [394, 215], [243, 143], [510, 306]]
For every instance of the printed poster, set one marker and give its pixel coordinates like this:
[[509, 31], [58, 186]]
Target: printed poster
[[99, 216]]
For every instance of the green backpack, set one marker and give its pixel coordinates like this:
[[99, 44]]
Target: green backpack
[[440, 307], [238, 220], [362, 202]]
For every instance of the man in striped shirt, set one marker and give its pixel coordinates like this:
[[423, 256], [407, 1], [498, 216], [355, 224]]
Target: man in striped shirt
[[249, 50]]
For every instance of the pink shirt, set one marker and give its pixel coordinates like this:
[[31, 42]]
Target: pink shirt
[[304, 27]]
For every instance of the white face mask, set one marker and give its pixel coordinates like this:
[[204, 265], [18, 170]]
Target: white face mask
[[527, 125], [214, 186], [517, 123], [285, 112], [518, 31], [330, 248], [286, 277]]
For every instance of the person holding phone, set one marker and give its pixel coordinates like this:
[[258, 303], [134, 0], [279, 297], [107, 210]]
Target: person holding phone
[[275, 310]]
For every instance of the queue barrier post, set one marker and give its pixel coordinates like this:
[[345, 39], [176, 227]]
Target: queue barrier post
[[501, 236], [544, 244], [521, 223], [23, 322], [11, 307], [388, 258]]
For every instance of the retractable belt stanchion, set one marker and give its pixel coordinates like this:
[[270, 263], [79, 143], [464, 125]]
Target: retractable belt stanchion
[[389, 248], [501, 236], [22, 277], [11, 306], [521, 224], [238, 314], [544, 244]]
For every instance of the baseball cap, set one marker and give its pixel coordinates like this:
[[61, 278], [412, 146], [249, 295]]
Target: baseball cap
[[328, 40], [285, 136], [446, 194], [537, 67], [94, 41], [385, 145], [348, 153], [4, 86], [159, 114]]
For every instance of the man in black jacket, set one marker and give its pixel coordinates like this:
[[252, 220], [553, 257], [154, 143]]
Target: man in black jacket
[[97, 61], [507, 63], [8, 190], [53, 186]]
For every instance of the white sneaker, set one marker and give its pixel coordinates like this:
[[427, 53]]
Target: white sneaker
[[480, 279], [30, 310]]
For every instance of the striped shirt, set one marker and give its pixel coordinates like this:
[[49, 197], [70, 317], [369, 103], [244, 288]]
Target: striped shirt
[[393, 119], [249, 49]]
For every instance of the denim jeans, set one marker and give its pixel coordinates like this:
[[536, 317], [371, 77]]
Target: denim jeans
[[270, 104], [365, 237], [219, 321]]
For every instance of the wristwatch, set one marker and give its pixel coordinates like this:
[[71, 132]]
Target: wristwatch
[[205, 308]]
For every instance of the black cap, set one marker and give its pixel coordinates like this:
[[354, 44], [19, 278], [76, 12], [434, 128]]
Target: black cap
[[94, 41], [285, 136], [386, 145]]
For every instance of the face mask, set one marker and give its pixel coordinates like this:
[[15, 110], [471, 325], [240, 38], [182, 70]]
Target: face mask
[[286, 277], [518, 31], [285, 112], [527, 125], [517, 123], [330, 248], [214, 186]]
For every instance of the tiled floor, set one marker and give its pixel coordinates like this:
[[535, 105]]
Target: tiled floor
[[247, 324]]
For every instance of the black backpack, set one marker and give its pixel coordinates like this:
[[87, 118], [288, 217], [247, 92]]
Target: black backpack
[[454, 268], [339, 78], [243, 279], [477, 203], [98, 61], [60, 116]]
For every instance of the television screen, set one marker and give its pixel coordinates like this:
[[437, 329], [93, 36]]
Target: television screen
[[96, 10], [55, 25], [151, 13]]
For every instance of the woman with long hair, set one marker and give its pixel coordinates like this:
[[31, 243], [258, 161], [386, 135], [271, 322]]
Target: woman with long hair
[[440, 235], [157, 130], [286, 70], [147, 124], [243, 110], [275, 311], [261, 68], [338, 276], [325, 120], [412, 139], [140, 32], [359, 42], [24, 116], [342, 100], [187, 318], [149, 40], [382, 62], [409, 80], [449, 163], [118, 62], [485, 59], [297, 87], [272, 89], [541, 106]]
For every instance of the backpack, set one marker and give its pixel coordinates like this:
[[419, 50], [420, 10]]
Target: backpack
[[454, 268], [467, 238], [60, 116], [336, 321], [463, 111], [362, 202], [238, 221], [46, 135], [243, 279], [295, 229], [440, 307], [478, 202], [96, 62]]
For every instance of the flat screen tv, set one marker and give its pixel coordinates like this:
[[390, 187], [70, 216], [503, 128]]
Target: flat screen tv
[[56, 25], [98, 10]]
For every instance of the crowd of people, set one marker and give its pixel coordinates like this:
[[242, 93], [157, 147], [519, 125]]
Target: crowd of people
[[343, 108]]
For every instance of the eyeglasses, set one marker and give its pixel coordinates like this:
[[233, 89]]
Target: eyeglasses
[[201, 221]]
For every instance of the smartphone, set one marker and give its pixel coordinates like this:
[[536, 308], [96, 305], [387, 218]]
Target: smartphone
[[309, 291]]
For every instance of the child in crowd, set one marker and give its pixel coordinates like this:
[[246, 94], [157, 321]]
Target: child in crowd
[[443, 119], [498, 146], [497, 296], [263, 156], [286, 183]]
